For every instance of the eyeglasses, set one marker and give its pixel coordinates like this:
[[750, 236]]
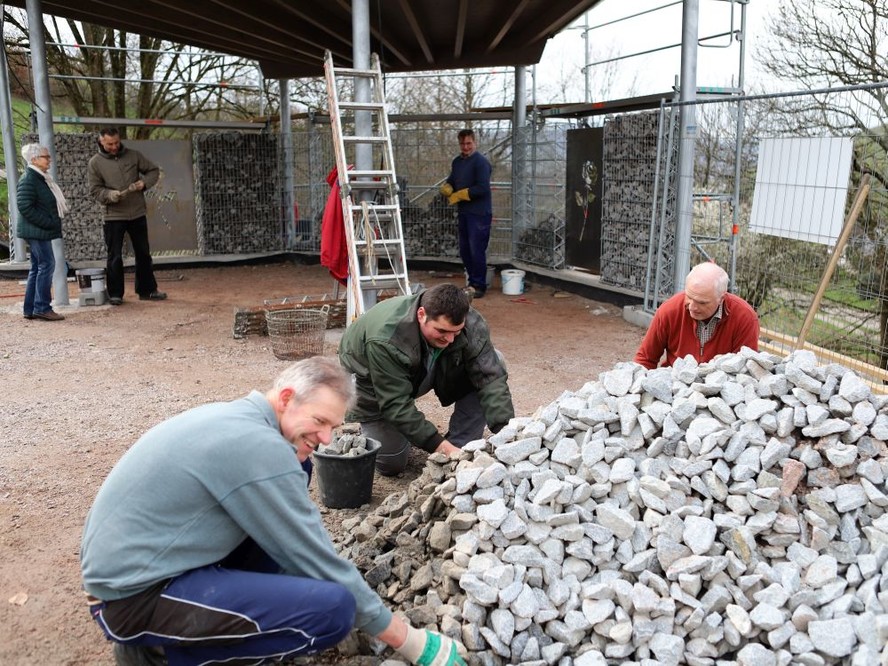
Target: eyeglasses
[[44, 157]]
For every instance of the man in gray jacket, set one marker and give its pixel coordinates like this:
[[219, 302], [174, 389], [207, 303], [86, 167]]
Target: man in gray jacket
[[118, 178], [203, 545], [406, 346]]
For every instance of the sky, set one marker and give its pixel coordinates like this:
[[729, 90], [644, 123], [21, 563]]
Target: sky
[[653, 73]]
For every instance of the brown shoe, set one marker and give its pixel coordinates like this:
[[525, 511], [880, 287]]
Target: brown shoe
[[49, 315]]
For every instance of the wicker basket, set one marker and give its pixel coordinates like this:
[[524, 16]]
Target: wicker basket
[[298, 333]]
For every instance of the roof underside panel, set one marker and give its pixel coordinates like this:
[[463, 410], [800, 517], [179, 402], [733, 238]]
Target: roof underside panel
[[288, 37]]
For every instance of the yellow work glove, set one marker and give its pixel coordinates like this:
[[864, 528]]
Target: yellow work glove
[[446, 189], [459, 195], [429, 648]]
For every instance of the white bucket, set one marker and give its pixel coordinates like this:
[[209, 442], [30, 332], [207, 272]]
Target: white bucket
[[513, 282], [91, 280]]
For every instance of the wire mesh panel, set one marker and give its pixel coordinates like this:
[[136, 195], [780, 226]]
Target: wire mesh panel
[[539, 231], [313, 161], [424, 154], [238, 189], [628, 189], [297, 333], [660, 275], [778, 270]]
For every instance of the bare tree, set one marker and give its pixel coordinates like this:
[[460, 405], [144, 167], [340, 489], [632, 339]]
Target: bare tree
[[607, 81], [101, 72], [826, 44], [448, 93], [829, 43]]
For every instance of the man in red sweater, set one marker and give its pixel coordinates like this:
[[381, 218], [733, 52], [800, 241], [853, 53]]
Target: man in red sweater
[[703, 321]]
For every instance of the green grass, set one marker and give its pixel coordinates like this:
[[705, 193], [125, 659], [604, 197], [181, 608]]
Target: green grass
[[832, 333], [851, 299]]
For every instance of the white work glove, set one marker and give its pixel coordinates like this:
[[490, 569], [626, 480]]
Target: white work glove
[[429, 648], [115, 195]]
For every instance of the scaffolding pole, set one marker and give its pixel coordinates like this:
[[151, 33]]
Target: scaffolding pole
[[45, 130]]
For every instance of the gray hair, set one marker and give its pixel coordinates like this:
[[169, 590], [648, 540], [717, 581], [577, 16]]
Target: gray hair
[[710, 273], [307, 376], [31, 151]]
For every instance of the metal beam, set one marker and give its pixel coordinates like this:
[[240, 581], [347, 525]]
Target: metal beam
[[507, 25], [158, 122], [417, 31], [460, 38], [287, 166]]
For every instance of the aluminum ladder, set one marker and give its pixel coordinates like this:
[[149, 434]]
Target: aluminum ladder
[[370, 207]]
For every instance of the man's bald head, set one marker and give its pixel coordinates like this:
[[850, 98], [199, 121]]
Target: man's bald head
[[705, 288], [709, 274]]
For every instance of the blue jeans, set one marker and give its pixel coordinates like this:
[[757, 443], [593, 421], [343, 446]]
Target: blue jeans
[[474, 235], [38, 292]]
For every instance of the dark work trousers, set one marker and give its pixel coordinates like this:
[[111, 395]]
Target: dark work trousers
[[239, 611], [138, 233], [466, 424], [474, 235]]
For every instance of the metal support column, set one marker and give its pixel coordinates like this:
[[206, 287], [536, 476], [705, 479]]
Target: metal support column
[[287, 163], [688, 133], [520, 218], [46, 133], [738, 152], [363, 119], [587, 68]]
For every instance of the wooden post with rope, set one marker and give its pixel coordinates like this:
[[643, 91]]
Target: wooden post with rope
[[830, 269]]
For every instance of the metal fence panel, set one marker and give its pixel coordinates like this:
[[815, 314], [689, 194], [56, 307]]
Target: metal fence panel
[[778, 275]]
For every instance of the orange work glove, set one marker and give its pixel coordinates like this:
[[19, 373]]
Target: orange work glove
[[446, 189], [459, 195]]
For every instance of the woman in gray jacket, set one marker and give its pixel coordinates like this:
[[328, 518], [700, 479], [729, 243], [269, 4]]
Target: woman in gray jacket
[[41, 207]]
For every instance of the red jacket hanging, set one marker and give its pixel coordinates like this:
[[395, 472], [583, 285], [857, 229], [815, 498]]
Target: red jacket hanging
[[334, 247]]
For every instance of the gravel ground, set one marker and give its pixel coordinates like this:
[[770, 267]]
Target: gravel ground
[[78, 393]]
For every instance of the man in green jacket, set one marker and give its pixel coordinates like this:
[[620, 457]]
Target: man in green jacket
[[118, 178], [404, 347]]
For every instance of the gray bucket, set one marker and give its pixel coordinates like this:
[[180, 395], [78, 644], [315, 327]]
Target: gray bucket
[[91, 280]]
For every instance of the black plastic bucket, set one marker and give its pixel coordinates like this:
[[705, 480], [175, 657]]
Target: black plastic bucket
[[346, 482]]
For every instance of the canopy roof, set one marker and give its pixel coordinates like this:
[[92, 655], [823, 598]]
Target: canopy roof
[[289, 37]]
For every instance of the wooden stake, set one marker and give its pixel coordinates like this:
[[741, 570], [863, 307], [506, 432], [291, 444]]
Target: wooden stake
[[850, 221]]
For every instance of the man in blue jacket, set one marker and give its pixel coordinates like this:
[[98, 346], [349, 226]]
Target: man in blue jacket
[[203, 545], [468, 186]]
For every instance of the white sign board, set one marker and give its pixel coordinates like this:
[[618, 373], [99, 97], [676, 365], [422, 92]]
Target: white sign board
[[801, 185]]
